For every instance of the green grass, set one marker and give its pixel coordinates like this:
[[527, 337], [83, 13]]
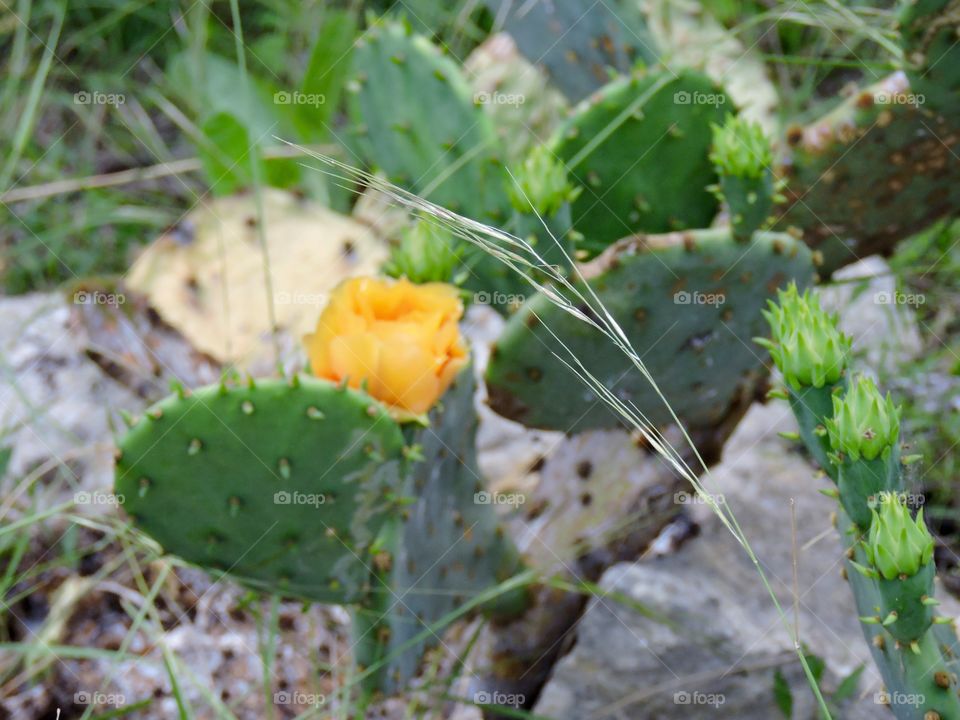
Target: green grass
[[130, 49]]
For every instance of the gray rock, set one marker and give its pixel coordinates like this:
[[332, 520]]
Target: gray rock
[[710, 638], [880, 318]]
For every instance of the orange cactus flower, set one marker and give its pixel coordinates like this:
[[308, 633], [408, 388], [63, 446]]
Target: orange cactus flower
[[401, 339]]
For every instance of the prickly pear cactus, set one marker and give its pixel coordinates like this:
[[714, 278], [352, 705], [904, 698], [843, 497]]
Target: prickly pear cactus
[[580, 44], [889, 553], [688, 302], [880, 167], [639, 149], [742, 157], [415, 119], [283, 485], [928, 35], [451, 546]]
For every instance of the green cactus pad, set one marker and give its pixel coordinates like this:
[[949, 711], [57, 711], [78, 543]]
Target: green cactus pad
[[578, 43], [639, 148], [664, 292], [415, 119], [879, 168], [452, 546], [283, 485], [928, 34]]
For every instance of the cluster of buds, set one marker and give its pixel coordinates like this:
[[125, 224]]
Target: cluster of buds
[[805, 342]]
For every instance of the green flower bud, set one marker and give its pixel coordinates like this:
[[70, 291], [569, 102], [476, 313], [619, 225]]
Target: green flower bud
[[864, 423], [805, 343], [425, 253], [541, 182], [898, 545], [740, 149]]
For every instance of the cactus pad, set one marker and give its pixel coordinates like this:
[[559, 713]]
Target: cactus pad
[[577, 42], [452, 546], [415, 120], [639, 148], [879, 168], [689, 304], [283, 485]]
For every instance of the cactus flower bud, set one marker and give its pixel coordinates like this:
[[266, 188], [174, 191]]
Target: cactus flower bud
[[898, 545], [399, 339], [541, 182], [864, 423], [806, 345], [740, 148]]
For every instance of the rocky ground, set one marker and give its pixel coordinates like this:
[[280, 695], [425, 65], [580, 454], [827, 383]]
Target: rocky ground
[[686, 631]]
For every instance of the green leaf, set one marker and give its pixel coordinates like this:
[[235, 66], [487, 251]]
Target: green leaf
[[817, 665], [325, 76], [782, 694], [848, 686], [226, 157]]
